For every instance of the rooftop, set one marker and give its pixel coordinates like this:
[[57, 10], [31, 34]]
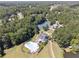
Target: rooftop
[[43, 24], [32, 46], [42, 37]]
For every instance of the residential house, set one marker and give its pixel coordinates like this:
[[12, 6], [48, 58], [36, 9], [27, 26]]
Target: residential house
[[43, 24], [56, 25], [20, 15], [54, 6], [9, 17], [12, 17], [32, 46], [42, 38]]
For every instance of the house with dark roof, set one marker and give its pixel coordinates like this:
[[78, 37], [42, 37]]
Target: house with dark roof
[[43, 24], [9, 16], [42, 38], [34, 46]]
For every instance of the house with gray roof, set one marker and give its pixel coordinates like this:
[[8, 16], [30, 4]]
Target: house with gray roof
[[43, 24], [32, 46], [42, 38]]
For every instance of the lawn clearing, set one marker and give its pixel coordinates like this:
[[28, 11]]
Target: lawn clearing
[[21, 52], [44, 53], [58, 52], [16, 52], [35, 37]]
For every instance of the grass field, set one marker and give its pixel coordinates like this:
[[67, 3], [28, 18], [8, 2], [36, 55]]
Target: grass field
[[58, 52], [35, 37], [17, 52]]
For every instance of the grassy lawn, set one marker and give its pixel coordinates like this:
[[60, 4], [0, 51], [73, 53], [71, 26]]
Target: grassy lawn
[[22, 52], [35, 37], [44, 52], [58, 52], [16, 52], [49, 32]]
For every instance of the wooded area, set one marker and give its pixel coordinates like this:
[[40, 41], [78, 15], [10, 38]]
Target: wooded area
[[20, 30]]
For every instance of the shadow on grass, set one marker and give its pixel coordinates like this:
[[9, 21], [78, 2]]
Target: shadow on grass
[[42, 45]]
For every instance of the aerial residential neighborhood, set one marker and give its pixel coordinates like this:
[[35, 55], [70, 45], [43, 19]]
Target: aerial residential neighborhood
[[48, 29]]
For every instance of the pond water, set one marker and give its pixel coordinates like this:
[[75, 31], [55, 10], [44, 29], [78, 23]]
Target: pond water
[[71, 55]]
